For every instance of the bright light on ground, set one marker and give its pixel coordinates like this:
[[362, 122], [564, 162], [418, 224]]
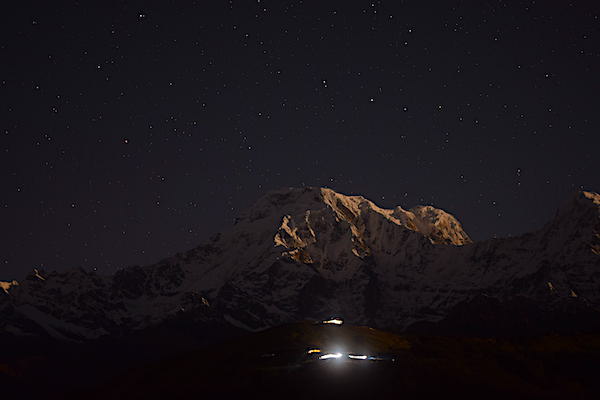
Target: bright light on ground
[[335, 321], [357, 357], [311, 351], [330, 355]]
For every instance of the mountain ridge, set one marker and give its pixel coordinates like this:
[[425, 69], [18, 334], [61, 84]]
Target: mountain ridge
[[310, 253]]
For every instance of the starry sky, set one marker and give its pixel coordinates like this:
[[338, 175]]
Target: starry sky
[[132, 130]]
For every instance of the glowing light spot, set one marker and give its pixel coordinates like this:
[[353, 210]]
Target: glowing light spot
[[357, 357], [311, 351], [335, 321], [330, 355]]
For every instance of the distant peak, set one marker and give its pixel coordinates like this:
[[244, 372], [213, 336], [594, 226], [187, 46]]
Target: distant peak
[[7, 285], [588, 197], [580, 200], [440, 225]]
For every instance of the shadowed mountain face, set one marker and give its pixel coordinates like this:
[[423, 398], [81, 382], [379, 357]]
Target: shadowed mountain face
[[312, 253]]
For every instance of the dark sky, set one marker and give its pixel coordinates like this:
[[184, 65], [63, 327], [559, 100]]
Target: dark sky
[[133, 130]]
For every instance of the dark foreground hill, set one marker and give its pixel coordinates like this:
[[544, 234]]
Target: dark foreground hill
[[277, 364], [284, 362]]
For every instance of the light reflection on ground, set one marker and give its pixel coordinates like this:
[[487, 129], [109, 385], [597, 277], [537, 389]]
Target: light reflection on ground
[[324, 355], [357, 357], [334, 321], [330, 355]]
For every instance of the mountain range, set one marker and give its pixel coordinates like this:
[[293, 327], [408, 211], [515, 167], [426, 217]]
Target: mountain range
[[312, 253]]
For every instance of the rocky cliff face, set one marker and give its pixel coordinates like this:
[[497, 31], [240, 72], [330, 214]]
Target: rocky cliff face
[[313, 253]]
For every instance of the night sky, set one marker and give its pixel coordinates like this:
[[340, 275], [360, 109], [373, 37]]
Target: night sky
[[134, 130]]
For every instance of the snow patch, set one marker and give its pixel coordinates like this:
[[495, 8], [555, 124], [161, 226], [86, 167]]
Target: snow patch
[[37, 274]]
